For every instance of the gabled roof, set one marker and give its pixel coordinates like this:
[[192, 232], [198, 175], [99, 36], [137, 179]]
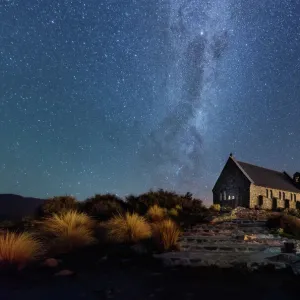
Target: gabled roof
[[267, 178]]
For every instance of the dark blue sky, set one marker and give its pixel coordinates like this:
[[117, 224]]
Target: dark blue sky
[[114, 96]]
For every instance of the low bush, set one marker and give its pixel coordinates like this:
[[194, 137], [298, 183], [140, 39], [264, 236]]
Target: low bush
[[166, 234], [57, 205], [274, 221], [173, 212], [224, 218], [165, 199], [156, 213], [128, 228], [291, 225], [69, 230], [215, 207], [103, 207], [19, 248]]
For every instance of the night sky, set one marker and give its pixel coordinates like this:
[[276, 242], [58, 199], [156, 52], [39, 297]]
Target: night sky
[[123, 96]]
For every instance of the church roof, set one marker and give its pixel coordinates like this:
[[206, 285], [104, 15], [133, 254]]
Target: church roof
[[267, 178]]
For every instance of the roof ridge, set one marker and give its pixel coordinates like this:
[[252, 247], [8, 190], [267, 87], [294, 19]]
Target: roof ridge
[[261, 167]]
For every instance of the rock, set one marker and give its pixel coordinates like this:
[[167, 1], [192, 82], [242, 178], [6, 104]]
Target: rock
[[51, 263], [64, 273]]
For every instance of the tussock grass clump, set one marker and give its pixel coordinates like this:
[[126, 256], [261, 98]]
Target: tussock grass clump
[[156, 213], [127, 228], [215, 207], [166, 234], [70, 230], [19, 248], [173, 212]]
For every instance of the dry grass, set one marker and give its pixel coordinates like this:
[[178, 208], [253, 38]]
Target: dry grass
[[215, 207], [19, 248], [166, 234], [128, 228], [70, 230], [156, 213], [173, 212]]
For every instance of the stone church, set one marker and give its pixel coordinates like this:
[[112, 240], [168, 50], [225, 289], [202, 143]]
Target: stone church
[[247, 185]]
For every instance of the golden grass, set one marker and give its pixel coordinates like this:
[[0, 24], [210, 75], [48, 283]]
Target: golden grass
[[166, 234], [19, 248], [173, 212], [128, 228], [156, 213], [70, 230], [215, 207]]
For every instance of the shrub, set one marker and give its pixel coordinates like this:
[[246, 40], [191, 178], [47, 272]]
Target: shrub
[[57, 205], [226, 209], [224, 218], [69, 230], [290, 225], [129, 228], [292, 212], [274, 221], [156, 213], [166, 234], [215, 207], [173, 212], [178, 207], [104, 207], [165, 199], [19, 248]]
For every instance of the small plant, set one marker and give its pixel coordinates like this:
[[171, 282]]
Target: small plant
[[69, 230], [215, 207], [19, 248], [156, 213], [178, 207], [129, 228], [280, 231], [166, 234], [224, 218], [173, 212]]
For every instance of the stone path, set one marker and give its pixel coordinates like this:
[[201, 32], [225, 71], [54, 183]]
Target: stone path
[[230, 244]]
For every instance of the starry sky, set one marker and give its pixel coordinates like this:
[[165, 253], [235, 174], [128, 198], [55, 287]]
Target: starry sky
[[123, 96]]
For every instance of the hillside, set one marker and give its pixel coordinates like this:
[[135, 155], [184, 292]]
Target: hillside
[[15, 206]]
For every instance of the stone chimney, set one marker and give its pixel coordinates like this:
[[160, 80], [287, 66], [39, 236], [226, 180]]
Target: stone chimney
[[296, 179]]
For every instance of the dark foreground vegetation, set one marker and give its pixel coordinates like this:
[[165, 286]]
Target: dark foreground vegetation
[[103, 248], [148, 223]]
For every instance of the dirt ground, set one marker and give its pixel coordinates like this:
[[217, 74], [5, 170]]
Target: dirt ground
[[128, 279]]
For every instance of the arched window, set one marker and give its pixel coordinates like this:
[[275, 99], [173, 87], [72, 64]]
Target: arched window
[[221, 196], [224, 195], [283, 195], [279, 195], [271, 194], [267, 193]]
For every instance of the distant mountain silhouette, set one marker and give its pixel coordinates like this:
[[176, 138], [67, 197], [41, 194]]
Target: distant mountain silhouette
[[15, 206]]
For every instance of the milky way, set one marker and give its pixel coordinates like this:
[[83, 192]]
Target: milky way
[[198, 34], [114, 96]]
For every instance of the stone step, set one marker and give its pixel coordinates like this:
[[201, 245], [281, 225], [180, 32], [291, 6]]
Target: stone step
[[201, 238], [207, 232], [224, 247]]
